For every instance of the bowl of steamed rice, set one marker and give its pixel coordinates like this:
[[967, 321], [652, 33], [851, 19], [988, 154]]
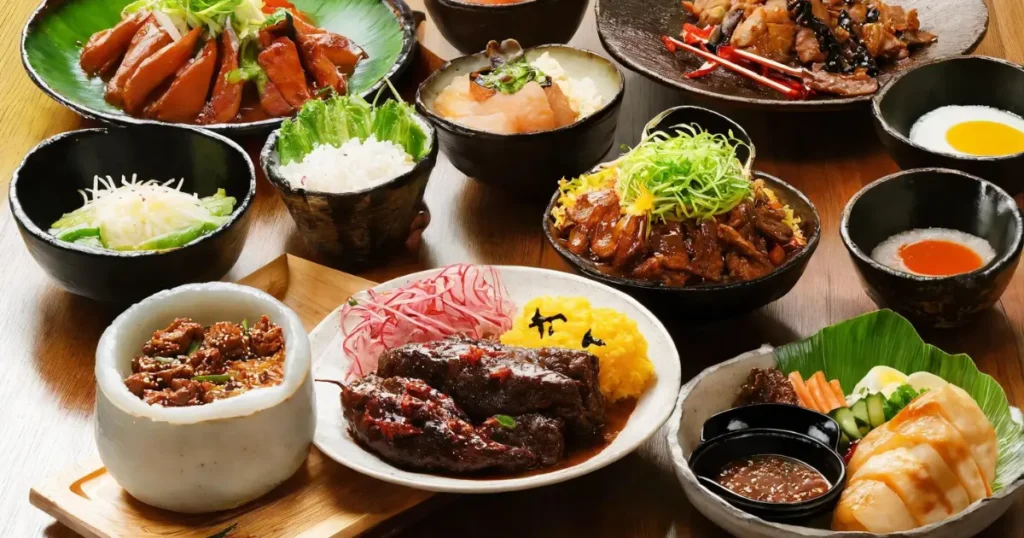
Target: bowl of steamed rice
[[352, 174], [620, 347]]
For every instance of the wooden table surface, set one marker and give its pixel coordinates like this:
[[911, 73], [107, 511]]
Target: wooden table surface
[[47, 336]]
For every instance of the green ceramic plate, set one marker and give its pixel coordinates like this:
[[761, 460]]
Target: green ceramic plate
[[53, 38]]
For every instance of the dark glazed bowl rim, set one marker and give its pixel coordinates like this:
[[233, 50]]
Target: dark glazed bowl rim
[[270, 164], [763, 506], [470, 6], [783, 407], [993, 267], [876, 108], [586, 267], [38, 233], [403, 14], [452, 126]]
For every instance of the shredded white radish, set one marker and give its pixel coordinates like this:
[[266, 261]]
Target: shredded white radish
[[461, 299]]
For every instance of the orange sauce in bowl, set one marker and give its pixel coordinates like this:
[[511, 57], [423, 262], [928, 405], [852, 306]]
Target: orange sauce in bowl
[[935, 257]]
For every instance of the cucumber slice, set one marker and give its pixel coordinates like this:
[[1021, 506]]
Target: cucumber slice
[[860, 410], [847, 422], [876, 409]]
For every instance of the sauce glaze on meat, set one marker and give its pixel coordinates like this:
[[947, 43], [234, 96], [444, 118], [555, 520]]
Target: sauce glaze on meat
[[187, 364]]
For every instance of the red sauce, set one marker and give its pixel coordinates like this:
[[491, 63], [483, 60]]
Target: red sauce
[[772, 478], [935, 257]]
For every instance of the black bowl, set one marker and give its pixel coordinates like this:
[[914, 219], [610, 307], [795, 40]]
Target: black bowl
[[529, 164], [774, 416], [355, 229], [711, 456], [46, 186], [933, 198], [706, 302], [959, 80], [468, 27]]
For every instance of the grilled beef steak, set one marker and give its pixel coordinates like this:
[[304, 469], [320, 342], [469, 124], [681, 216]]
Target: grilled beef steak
[[486, 378]]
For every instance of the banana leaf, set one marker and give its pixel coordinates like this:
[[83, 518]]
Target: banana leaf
[[53, 42], [847, 350]]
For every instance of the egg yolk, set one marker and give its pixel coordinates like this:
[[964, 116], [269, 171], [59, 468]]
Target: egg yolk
[[985, 138], [934, 257]]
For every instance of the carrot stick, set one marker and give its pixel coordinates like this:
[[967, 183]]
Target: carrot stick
[[828, 396], [820, 402], [838, 390], [802, 394]]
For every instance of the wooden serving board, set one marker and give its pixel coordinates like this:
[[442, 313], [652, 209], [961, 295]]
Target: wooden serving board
[[323, 499]]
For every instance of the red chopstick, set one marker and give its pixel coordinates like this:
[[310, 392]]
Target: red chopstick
[[672, 44]]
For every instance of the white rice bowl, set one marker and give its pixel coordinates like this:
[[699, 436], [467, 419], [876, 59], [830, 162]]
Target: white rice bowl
[[888, 252], [354, 166]]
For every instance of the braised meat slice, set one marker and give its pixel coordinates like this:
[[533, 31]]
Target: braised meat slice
[[766, 385], [106, 47], [707, 260], [226, 99], [486, 378], [412, 425], [174, 340]]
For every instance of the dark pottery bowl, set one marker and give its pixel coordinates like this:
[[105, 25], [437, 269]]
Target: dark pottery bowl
[[529, 164], [46, 186], [355, 229], [960, 80], [631, 31], [52, 39], [933, 198], [774, 416], [711, 456], [468, 27], [707, 302]]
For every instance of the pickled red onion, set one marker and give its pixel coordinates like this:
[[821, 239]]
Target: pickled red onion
[[460, 299]]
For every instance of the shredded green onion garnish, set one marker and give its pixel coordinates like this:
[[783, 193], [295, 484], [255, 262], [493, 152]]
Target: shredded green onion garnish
[[510, 77], [214, 378], [689, 173], [506, 421]]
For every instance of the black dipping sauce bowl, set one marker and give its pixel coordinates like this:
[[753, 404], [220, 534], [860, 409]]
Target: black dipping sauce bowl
[[933, 198], [714, 454], [707, 302], [46, 186], [468, 27], [529, 165], [955, 80]]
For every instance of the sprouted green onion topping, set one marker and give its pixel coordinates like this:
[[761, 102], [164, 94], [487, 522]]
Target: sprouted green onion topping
[[510, 77], [689, 173]]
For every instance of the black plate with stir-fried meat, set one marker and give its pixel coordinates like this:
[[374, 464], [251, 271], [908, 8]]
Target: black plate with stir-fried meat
[[187, 364]]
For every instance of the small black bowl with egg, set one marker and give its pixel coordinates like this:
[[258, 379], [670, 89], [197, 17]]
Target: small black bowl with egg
[[960, 112], [936, 245], [353, 176]]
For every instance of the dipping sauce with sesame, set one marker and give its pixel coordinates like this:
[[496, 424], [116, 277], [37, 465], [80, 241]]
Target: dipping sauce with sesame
[[774, 479]]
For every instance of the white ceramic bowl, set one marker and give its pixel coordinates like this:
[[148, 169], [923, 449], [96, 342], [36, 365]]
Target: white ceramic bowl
[[523, 284], [214, 456], [715, 390]]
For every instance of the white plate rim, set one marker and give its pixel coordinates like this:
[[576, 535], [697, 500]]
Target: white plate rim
[[671, 374]]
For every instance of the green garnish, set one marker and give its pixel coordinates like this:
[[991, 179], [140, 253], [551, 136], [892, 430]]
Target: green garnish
[[248, 66], [352, 301], [245, 325], [510, 77], [246, 16], [343, 117], [213, 378], [899, 399], [194, 346], [277, 16], [690, 173], [506, 421]]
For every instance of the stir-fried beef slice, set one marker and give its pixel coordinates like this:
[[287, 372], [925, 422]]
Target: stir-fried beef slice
[[185, 97], [807, 48], [181, 392], [579, 239], [265, 338], [858, 83], [106, 47], [226, 99], [486, 378], [708, 12], [742, 268], [882, 42], [604, 239], [667, 239], [146, 42], [651, 268], [730, 236], [770, 224], [156, 69], [631, 243], [707, 260], [139, 383], [535, 432], [174, 340], [281, 62], [227, 338], [207, 361], [413, 425]]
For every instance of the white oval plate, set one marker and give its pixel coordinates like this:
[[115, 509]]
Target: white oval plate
[[523, 284]]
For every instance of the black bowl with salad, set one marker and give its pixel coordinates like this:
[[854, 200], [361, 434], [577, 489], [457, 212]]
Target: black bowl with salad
[[352, 174], [681, 222], [118, 213]]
